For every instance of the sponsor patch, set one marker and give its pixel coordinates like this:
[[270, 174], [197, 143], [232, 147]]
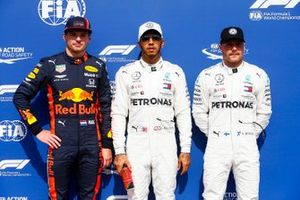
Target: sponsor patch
[[90, 68], [60, 68]]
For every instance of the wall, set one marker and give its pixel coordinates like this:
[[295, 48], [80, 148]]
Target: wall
[[30, 30]]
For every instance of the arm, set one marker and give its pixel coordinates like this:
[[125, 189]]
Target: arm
[[119, 112], [184, 122], [200, 104], [27, 90], [105, 110], [263, 109]]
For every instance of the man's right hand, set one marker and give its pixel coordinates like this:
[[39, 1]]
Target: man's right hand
[[48, 138], [120, 160]]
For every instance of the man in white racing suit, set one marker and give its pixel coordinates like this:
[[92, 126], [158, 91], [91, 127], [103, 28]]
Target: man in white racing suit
[[232, 106], [152, 93]]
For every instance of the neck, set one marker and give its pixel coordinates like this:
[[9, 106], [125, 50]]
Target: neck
[[151, 59], [233, 64], [74, 54]]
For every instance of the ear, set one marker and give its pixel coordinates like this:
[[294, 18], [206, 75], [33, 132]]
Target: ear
[[64, 37], [162, 43], [221, 47], [139, 43]]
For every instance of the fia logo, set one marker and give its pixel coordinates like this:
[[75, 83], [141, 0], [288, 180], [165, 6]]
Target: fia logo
[[256, 15], [12, 131], [56, 12]]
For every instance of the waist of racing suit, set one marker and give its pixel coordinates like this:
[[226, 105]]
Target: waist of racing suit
[[156, 124]]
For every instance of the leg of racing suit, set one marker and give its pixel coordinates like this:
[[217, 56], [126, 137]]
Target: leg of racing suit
[[164, 173], [60, 167], [154, 160], [246, 173], [88, 172], [217, 166], [139, 158]]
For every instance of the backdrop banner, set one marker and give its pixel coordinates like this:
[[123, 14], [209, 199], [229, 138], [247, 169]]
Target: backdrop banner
[[31, 30]]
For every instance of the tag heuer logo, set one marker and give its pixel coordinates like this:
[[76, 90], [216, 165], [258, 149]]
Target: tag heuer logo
[[60, 68]]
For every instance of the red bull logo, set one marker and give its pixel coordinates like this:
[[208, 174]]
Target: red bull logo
[[76, 95], [79, 109], [50, 166]]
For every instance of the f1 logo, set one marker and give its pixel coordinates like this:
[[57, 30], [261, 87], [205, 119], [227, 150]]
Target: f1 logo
[[121, 49], [17, 164], [8, 89], [266, 3]]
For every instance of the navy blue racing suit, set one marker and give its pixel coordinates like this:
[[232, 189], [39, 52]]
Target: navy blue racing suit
[[79, 99]]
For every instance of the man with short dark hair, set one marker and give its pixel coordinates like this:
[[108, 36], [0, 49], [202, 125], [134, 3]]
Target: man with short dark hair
[[78, 93], [232, 106], [151, 92]]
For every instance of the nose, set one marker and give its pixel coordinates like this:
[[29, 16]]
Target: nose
[[150, 40], [78, 38]]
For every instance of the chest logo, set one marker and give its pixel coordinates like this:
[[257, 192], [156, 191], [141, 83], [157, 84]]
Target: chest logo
[[76, 95], [167, 86], [60, 68], [91, 69], [136, 75], [219, 78]]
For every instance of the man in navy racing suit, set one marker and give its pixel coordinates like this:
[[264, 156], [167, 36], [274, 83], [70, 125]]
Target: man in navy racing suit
[[79, 100]]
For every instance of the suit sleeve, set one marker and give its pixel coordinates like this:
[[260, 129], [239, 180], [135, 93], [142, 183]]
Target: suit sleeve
[[105, 109], [26, 91], [264, 108], [201, 104], [119, 112], [183, 113]]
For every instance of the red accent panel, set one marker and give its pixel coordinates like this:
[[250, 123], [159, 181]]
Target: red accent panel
[[50, 161]]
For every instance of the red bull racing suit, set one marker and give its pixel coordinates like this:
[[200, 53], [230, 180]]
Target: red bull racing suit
[[152, 96], [79, 99], [232, 107]]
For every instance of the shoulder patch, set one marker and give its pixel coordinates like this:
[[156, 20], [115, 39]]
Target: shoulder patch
[[31, 75]]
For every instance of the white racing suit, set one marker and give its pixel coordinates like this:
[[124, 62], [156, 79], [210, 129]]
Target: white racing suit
[[232, 107], [152, 96]]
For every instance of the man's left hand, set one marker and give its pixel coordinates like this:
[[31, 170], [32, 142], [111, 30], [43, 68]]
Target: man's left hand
[[107, 157], [184, 161]]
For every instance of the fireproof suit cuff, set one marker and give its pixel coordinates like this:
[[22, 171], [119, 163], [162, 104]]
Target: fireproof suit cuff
[[120, 150], [35, 128], [107, 144], [186, 149]]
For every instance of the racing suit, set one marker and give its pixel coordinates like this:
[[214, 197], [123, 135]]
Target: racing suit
[[79, 99], [232, 107], [151, 96]]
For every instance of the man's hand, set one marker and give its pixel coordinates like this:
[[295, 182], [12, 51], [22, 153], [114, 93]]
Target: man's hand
[[120, 160], [184, 161], [107, 157], [49, 138]]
